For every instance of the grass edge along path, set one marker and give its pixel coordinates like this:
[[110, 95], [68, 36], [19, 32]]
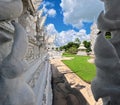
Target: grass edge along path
[[80, 66]]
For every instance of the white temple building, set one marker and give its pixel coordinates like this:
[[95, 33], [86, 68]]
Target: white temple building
[[50, 43], [93, 35], [37, 74], [82, 50]]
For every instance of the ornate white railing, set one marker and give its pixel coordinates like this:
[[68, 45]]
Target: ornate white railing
[[38, 77]]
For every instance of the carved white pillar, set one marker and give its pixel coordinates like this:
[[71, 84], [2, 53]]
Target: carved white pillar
[[106, 84], [13, 89]]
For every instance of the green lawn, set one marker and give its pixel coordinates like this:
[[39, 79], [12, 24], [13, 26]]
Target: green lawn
[[81, 67]]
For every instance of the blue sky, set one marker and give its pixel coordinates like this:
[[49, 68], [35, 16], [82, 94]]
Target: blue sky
[[70, 16], [58, 19]]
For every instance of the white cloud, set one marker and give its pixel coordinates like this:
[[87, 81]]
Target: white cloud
[[51, 12], [45, 4], [51, 29], [76, 11], [64, 37]]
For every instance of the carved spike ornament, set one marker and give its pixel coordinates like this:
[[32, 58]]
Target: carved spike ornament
[[13, 89], [106, 84]]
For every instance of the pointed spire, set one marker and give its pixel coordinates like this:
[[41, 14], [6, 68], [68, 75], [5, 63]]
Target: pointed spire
[[40, 12], [43, 21]]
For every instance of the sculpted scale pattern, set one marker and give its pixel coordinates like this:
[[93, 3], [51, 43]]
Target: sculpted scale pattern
[[106, 84]]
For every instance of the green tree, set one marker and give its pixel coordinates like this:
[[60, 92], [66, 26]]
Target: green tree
[[108, 35], [72, 44], [72, 50], [71, 47], [77, 40], [87, 45]]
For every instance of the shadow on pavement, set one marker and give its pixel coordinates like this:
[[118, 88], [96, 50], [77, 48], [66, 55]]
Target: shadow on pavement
[[63, 94]]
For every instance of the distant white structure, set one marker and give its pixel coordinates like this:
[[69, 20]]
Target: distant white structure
[[82, 50], [93, 35], [50, 43]]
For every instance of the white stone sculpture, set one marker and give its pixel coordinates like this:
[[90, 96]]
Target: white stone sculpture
[[106, 84], [13, 89], [10, 9]]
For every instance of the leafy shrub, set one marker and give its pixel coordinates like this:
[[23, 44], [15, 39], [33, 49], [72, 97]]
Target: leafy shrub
[[72, 50]]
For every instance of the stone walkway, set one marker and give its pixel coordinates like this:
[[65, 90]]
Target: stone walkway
[[75, 81]]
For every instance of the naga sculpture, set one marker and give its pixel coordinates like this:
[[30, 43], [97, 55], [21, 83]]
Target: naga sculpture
[[13, 89], [106, 84], [10, 9]]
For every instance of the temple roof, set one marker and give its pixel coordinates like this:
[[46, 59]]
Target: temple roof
[[82, 47]]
